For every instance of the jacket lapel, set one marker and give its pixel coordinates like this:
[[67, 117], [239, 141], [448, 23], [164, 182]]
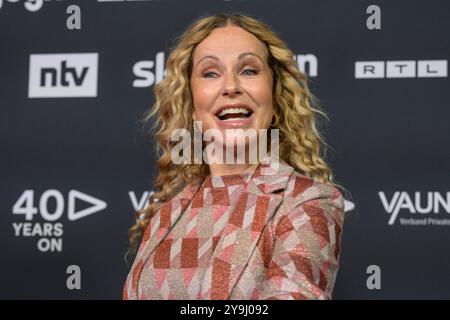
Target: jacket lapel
[[255, 207]]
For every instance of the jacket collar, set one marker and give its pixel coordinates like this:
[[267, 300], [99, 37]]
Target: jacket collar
[[268, 177]]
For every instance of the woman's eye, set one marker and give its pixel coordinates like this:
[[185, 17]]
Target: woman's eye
[[250, 72], [207, 75], [212, 74]]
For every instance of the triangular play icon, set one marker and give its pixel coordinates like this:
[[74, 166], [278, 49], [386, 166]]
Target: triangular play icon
[[348, 205], [97, 205]]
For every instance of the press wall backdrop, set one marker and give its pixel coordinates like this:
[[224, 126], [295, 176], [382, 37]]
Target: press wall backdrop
[[76, 77]]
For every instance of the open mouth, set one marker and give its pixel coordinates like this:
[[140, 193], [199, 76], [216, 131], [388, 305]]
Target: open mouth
[[234, 113]]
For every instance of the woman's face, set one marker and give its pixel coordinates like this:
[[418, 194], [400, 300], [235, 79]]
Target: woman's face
[[231, 82]]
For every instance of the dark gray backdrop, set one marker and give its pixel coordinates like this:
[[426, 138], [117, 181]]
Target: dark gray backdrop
[[390, 136]]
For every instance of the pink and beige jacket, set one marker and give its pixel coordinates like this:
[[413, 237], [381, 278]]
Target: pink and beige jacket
[[281, 240]]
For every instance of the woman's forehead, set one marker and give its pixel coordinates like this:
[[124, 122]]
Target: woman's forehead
[[230, 41]]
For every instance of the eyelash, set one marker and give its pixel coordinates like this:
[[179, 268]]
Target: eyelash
[[253, 70]]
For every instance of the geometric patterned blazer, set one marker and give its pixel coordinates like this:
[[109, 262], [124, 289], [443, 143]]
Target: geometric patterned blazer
[[282, 240]]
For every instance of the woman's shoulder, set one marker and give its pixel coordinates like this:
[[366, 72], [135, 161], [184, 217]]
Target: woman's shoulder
[[309, 206], [302, 190]]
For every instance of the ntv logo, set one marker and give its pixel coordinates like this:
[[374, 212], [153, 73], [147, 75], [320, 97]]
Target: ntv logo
[[63, 75], [402, 200]]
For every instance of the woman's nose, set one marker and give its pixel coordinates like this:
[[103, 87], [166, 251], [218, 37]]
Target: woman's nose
[[231, 85]]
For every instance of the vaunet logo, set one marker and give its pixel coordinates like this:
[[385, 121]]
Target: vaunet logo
[[49, 208], [63, 75], [417, 209]]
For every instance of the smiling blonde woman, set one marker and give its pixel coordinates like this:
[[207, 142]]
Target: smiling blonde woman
[[228, 231]]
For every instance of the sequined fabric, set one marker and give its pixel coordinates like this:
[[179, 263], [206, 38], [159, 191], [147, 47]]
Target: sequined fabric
[[269, 234]]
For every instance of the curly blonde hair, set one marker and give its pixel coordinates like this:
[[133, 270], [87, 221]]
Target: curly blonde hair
[[300, 142]]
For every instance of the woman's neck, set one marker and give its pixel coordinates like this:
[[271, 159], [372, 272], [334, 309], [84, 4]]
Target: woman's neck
[[229, 169]]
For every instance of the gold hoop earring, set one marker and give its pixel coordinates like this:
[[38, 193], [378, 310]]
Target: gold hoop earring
[[277, 120]]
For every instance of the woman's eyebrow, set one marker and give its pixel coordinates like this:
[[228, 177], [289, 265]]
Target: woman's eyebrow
[[206, 57], [244, 54], [241, 56]]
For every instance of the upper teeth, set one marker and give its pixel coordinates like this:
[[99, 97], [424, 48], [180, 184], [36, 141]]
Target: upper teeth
[[233, 110]]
